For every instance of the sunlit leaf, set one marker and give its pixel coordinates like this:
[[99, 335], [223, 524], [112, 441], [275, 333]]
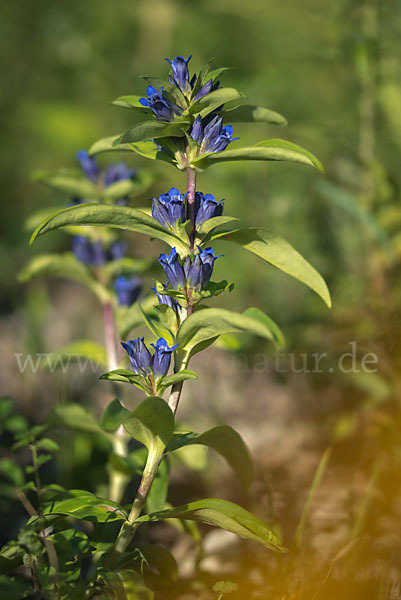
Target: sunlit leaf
[[62, 265], [223, 514], [269, 150], [227, 442], [277, 251]]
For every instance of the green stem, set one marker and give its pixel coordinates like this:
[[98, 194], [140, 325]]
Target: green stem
[[176, 390], [117, 480], [155, 455], [129, 527]]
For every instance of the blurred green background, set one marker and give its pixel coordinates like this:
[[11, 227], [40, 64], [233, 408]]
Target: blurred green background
[[332, 68]]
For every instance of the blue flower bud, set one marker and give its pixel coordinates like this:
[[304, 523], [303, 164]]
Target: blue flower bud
[[207, 259], [163, 109], [193, 272], [180, 72], [117, 172], [210, 135], [140, 358], [173, 269], [117, 250], [166, 299], [127, 289], [162, 358], [168, 208], [99, 254], [206, 207], [206, 88], [196, 132], [82, 248], [88, 165]]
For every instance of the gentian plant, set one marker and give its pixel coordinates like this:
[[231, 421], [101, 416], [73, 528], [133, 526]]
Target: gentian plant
[[187, 122]]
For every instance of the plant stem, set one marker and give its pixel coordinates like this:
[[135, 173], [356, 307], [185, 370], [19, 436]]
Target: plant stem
[[176, 390], [48, 544], [129, 527], [191, 188], [117, 479]]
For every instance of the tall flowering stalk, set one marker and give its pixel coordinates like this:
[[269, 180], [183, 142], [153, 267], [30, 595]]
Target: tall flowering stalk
[[188, 124]]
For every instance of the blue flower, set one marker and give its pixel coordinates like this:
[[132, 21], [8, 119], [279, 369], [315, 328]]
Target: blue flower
[[206, 88], [166, 299], [180, 73], [173, 269], [194, 274], [82, 248], [162, 358], [127, 289], [163, 109], [117, 172], [89, 165], [168, 208], [88, 252], [140, 358], [117, 250], [144, 363], [207, 207], [199, 270], [210, 135]]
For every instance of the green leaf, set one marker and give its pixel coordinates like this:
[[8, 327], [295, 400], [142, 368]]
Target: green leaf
[[223, 514], [132, 101], [227, 442], [113, 416], [157, 325], [151, 423], [47, 444], [108, 144], [157, 496], [248, 113], [130, 317], [62, 265], [118, 190], [277, 251], [126, 376], [225, 587], [88, 350], [208, 103], [319, 473], [73, 416], [125, 266], [12, 471], [214, 222], [259, 315], [70, 182], [214, 74], [148, 130], [123, 585], [209, 323], [275, 149], [105, 215], [85, 505], [182, 375]]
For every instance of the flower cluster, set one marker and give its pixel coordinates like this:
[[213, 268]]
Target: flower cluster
[[95, 253], [150, 367], [169, 208], [163, 108], [182, 81], [127, 289], [210, 135], [103, 177], [193, 274]]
